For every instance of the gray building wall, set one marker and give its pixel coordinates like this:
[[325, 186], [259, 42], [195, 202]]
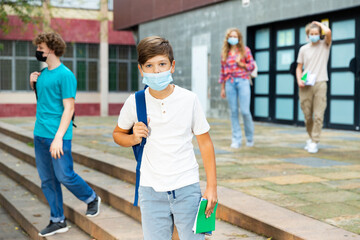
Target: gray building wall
[[208, 25]]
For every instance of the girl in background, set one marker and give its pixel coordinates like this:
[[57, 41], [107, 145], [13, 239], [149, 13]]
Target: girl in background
[[237, 63]]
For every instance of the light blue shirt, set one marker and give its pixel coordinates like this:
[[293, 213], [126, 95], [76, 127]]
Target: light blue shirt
[[52, 87]]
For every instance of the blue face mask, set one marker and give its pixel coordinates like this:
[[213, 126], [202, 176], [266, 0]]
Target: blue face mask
[[233, 40], [157, 81], [314, 38]]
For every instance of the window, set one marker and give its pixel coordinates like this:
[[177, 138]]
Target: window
[[83, 60], [17, 61], [123, 71]]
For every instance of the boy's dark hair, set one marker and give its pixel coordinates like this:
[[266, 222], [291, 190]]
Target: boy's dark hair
[[153, 46], [53, 40]]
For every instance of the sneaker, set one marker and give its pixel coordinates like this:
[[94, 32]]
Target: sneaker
[[54, 227], [307, 144], [250, 144], [235, 145], [93, 208], [313, 147]]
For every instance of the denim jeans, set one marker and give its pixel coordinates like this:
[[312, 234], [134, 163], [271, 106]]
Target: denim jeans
[[53, 172], [161, 210], [239, 91]]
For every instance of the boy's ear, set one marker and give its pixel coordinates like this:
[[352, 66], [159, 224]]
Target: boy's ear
[[141, 72], [173, 66]]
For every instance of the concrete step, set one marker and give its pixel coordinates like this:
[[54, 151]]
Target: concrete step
[[118, 194], [110, 224], [234, 207], [30, 213], [9, 228]]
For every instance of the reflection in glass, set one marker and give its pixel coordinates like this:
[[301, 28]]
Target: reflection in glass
[[343, 30], [262, 38], [80, 50], [93, 51], [342, 83], [262, 60], [285, 37], [123, 52], [21, 75], [342, 54], [133, 53], [123, 77], [261, 106], [21, 48], [284, 84], [81, 75], [302, 35], [5, 75], [262, 84], [69, 52], [93, 76], [134, 77], [112, 51], [284, 108], [6, 48], [284, 58], [112, 76], [342, 111]]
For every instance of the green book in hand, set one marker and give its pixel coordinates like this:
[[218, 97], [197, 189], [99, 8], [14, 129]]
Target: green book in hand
[[304, 77], [203, 224]]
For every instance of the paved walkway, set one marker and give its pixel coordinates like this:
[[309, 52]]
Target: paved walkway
[[325, 186]]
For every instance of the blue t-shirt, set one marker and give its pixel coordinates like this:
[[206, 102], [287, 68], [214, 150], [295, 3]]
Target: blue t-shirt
[[52, 87]]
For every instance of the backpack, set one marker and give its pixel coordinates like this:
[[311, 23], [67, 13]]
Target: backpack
[[139, 148], [73, 116]]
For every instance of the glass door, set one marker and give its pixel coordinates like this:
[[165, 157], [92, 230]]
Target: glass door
[[343, 93], [261, 99], [275, 92], [284, 81]]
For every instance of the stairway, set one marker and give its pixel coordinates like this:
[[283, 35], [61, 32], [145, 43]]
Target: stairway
[[110, 176]]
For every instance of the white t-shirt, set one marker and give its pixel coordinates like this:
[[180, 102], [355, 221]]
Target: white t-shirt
[[168, 161], [315, 59]]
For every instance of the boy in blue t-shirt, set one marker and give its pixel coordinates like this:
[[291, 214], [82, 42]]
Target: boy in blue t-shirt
[[56, 89]]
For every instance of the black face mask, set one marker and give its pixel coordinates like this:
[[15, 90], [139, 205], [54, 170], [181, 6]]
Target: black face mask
[[39, 56]]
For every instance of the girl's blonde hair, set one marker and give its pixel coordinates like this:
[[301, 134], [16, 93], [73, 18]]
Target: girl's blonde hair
[[226, 46]]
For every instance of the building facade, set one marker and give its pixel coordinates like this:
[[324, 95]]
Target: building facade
[[79, 25], [274, 30]]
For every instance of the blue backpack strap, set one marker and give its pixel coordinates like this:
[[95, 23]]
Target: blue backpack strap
[[139, 148]]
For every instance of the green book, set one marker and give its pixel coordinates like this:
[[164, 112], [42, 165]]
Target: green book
[[304, 77], [203, 224]]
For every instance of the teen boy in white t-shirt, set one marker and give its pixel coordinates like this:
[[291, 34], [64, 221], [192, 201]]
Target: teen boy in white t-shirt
[[313, 57], [169, 191]]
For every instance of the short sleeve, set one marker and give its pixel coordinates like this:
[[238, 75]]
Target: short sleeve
[[300, 58], [127, 117], [199, 123], [68, 86]]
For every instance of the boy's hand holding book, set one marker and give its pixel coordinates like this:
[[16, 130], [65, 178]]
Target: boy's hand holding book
[[211, 195]]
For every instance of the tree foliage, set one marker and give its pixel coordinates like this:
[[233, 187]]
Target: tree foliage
[[28, 11]]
